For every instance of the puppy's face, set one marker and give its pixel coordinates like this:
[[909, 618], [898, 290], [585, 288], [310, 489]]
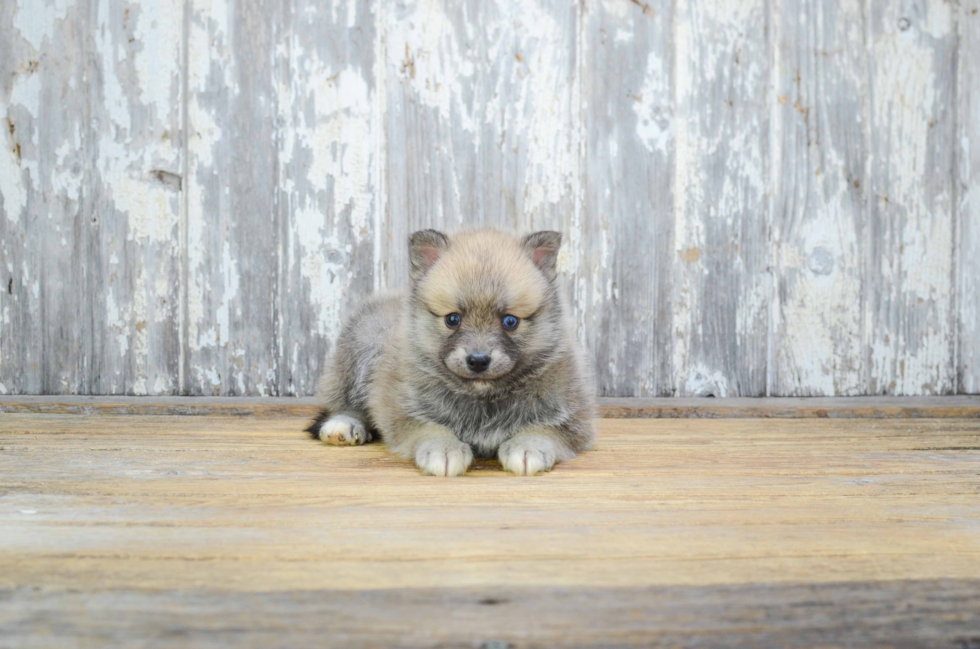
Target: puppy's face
[[485, 308]]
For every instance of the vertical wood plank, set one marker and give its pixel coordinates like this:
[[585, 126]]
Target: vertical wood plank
[[133, 259], [328, 150], [91, 197], [37, 224], [822, 113], [909, 319], [721, 233], [481, 126], [233, 231], [625, 234], [968, 193]]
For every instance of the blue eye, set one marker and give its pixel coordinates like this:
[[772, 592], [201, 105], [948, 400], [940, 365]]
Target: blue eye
[[510, 322], [453, 320]]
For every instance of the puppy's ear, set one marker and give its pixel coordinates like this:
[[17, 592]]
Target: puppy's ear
[[424, 249], [543, 247]]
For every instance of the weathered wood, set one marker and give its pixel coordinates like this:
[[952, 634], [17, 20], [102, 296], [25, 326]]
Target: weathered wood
[[38, 236], [89, 175], [721, 284], [819, 171], [967, 193], [668, 527], [624, 230], [232, 232], [909, 327], [329, 179], [758, 197], [481, 119], [609, 407], [924, 613]]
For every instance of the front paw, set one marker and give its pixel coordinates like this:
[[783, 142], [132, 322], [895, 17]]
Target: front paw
[[528, 454], [444, 456]]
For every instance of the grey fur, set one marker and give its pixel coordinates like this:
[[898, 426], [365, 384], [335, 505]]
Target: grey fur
[[396, 364]]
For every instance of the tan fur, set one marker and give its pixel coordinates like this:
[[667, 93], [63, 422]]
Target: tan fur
[[398, 366], [487, 267]]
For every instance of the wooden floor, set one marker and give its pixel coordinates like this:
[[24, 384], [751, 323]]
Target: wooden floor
[[239, 531]]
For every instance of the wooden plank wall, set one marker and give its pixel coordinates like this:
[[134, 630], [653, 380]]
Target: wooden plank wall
[[759, 198]]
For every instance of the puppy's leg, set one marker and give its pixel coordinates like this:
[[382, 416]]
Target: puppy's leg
[[437, 451], [533, 451], [344, 429]]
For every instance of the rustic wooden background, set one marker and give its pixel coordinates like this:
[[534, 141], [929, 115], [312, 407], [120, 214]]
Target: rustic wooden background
[[759, 196]]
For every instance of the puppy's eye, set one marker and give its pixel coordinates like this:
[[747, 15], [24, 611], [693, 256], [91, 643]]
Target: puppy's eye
[[453, 320], [510, 322]]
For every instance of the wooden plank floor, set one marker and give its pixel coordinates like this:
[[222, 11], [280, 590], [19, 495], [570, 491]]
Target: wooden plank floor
[[218, 531]]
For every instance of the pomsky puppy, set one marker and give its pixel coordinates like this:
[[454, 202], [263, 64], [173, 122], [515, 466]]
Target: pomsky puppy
[[478, 357]]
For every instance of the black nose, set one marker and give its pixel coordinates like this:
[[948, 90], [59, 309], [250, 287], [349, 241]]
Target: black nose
[[477, 362]]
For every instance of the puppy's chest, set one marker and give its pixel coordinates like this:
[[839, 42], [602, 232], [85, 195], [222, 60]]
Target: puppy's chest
[[473, 420]]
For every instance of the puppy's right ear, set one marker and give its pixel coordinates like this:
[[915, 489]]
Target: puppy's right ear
[[424, 250]]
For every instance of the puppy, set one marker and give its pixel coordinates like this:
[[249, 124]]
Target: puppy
[[477, 358]]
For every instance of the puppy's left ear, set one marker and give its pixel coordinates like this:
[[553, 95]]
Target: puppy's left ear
[[543, 247]]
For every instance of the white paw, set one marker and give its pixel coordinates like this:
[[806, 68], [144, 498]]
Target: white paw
[[528, 455], [445, 457], [344, 430]]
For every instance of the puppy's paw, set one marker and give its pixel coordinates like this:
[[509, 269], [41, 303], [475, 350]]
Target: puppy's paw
[[344, 430], [443, 456], [528, 454]]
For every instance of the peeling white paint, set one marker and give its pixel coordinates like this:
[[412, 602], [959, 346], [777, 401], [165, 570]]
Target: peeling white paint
[[910, 351], [12, 188], [712, 212], [342, 146], [36, 20], [543, 81], [623, 36], [687, 191], [67, 178], [114, 97], [968, 209], [231, 282], [426, 53], [25, 95], [158, 32], [817, 327], [654, 126], [705, 382], [494, 92]]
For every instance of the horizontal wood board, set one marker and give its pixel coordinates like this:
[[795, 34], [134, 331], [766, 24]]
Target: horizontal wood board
[[205, 531]]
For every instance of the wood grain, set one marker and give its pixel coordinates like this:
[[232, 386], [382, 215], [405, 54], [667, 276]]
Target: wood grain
[[753, 529], [910, 336], [232, 235], [759, 198], [329, 182], [967, 193], [89, 175], [923, 613], [820, 169], [37, 238], [609, 407], [481, 123], [721, 213], [624, 275]]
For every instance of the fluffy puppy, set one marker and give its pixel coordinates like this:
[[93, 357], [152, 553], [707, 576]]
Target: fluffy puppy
[[477, 358]]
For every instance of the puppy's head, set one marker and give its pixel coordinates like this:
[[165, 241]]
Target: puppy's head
[[485, 308]]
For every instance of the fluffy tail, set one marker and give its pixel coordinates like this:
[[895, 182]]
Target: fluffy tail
[[314, 428]]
